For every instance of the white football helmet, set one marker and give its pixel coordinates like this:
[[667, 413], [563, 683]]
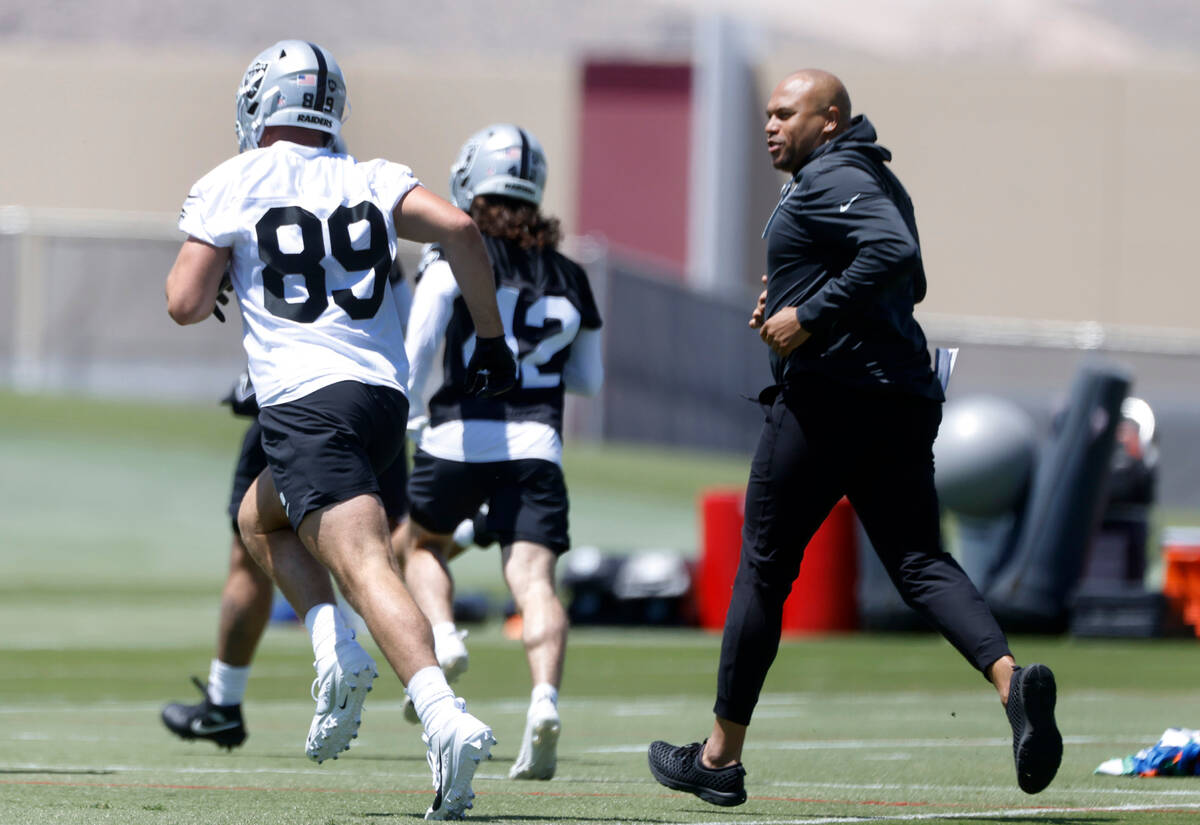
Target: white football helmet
[[293, 83], [502, 159]]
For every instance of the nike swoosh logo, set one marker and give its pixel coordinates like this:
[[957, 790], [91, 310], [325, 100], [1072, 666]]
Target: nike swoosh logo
[[846, 205], [437, 798], [201, 729], [342, 706]]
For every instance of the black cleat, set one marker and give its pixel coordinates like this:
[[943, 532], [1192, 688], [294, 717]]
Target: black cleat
[[680, 768], [217, 723], [1037, 744]]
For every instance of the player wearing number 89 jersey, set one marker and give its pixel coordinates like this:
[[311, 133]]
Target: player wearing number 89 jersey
[[313, 241], [307, 235], [502, 453]]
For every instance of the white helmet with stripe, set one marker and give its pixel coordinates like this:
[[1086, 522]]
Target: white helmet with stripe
[[292, 83], [502, 159]]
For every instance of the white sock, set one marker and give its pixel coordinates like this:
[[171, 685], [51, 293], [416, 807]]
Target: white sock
[[444, 629], [544, 691], [326, 627], [226, 683], [432, 697]]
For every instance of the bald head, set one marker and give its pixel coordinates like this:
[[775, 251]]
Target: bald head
[[808, 108]]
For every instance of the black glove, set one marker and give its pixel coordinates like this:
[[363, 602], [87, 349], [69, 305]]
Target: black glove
[[492, 370], [223, 296]]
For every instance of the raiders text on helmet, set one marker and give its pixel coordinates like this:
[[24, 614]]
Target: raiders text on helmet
[[502, 159], [293, 83]]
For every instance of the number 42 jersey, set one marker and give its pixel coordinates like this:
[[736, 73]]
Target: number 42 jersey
[[552, 325], [312, 239]]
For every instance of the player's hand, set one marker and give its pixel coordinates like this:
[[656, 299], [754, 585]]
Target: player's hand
[[492, 370], [782, 332], [223, 296], [760, 311]]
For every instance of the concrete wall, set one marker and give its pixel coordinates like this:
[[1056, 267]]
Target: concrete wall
[[116, 129], [1047, 195], [1058, 196]]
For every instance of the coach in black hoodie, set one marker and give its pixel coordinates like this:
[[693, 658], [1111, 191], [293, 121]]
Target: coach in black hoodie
[[854, 412]]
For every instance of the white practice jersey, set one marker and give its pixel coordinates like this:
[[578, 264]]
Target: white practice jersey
[[313, 240], [552, 325]]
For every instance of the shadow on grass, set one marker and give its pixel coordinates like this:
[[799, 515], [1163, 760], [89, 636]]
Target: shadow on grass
[[58, 771], [357, 757], [1049, 820], [474, 817]]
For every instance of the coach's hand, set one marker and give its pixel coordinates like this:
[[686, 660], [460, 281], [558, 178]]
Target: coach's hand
[[223, 296], [782, 332], [760, 312], [492, 370]]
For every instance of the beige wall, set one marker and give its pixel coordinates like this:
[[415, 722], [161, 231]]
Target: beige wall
[[1039, 195], [132, 131], [1051, 195]]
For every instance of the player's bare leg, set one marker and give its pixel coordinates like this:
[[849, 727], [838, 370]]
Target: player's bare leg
[[424, 557], [529, 572], [351, 539], [269, 538], [245, 612], [245, 607], [345, 670]]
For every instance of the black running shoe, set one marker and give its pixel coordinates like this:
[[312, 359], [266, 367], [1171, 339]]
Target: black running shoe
[[1037, 744], [217, 723], [680, 768]]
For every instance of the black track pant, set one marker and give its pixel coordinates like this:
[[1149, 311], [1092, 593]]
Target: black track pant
[[821, 441]]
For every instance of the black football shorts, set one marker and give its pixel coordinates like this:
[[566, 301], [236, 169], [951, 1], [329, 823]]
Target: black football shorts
[[251, 461], [526, 498], [330, 445]]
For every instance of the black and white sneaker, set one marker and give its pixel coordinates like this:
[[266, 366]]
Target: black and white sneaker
[[680, 768], [217, 723], [1037, 744]]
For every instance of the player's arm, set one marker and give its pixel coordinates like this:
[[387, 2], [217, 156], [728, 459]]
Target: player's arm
[[423, 216], [195, 281], [583, 374], [433, 302]]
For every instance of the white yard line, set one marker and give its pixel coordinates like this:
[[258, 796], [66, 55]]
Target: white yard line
[[891, 744], [986, 814]]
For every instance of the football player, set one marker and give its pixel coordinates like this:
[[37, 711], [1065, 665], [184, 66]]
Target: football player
[[248, 594], [503, 453], [308, 236]]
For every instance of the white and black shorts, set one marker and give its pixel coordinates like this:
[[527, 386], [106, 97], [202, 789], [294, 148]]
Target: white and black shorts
[[526, 498], [332, 444]]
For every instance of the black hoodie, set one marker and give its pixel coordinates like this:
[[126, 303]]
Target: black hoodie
[[842, 248]]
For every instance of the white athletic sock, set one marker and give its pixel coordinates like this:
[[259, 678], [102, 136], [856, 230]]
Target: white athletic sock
[[432, 697], [544, 691], [326, 627], [443, 629], [226, 683]]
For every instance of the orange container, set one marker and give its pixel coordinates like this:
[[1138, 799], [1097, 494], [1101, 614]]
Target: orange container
[[824, 597], [1181, 574]]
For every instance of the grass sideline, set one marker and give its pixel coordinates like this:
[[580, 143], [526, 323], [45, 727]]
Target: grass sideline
[[109, 576], [851, 728]]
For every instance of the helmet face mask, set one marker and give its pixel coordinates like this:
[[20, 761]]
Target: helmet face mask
[[292, 83], [501, 159]]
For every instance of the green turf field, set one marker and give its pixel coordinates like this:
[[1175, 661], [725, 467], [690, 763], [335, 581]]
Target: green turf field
[[113, 551]]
